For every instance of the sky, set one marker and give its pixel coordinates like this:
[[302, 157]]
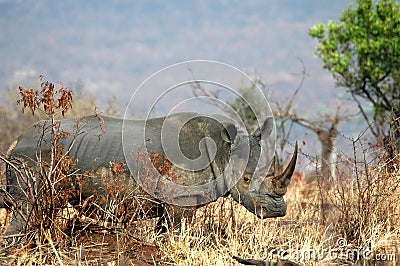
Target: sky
[[109, 48]]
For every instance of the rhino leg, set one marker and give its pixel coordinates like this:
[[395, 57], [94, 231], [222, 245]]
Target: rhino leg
[[172, 217], [15, 187], [16, 226]]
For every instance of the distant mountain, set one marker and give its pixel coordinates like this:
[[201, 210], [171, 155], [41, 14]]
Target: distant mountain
[[114, 45]]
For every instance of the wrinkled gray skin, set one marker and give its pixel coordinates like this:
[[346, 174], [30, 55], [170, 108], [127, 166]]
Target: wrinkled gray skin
[[94, 151]]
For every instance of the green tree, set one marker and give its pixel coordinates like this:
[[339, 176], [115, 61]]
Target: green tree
[[244, 110], [362, 50]]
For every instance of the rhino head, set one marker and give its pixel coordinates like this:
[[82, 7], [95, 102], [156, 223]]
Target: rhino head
[[267, 200]]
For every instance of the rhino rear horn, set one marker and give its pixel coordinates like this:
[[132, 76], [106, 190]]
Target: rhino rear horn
[[283, 180], [265, 130], [229, 133]]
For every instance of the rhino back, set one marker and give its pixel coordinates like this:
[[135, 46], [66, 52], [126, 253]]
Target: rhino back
[[93, 148], [91, 143], [94, 144]]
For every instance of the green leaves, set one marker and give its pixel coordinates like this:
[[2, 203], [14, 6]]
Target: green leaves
[[318, 31], [362, 50]]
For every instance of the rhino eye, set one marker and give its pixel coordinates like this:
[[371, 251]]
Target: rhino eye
[[247, 178]]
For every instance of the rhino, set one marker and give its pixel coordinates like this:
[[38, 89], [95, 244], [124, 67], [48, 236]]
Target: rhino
[[93, 145]]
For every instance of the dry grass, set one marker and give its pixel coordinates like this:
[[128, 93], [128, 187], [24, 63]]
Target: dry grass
[[355, 220], [358, 220]]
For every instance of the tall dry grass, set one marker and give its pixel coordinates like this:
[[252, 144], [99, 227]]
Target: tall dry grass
[[356, 220], [353, 220]]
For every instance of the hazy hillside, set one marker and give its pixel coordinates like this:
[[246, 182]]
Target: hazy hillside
[[115, 46]]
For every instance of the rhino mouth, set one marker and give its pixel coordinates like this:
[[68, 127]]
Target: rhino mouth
[[274, 207]]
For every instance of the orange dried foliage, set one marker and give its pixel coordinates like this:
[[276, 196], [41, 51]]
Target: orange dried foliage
[[101, 120], [157, 172], [118, 168], [51, 99], [163, 166]]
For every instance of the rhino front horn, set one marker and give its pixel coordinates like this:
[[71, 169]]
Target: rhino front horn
[[282, 181]]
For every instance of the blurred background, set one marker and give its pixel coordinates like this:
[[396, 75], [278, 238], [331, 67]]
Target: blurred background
[[104, 50], [108, 48]]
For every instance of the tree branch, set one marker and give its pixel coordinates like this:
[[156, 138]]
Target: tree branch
[[364, 114]]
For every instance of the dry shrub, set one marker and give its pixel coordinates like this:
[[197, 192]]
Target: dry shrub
[[366, 204], [58, 223], [41, 191], [371, 199], [44, 189]]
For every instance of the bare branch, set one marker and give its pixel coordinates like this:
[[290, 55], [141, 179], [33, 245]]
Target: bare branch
[[364, 114]]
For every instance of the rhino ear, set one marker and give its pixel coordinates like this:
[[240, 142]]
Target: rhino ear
[[229, 133], [265, 130]]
